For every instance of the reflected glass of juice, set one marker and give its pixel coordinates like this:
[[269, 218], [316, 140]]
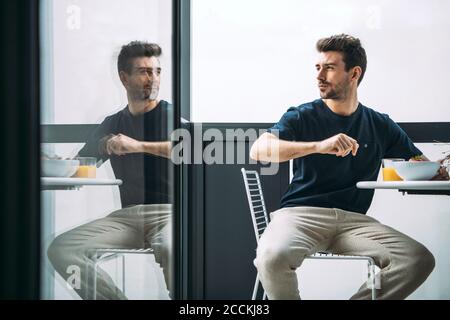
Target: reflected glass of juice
[[389, 173], [87, 168]]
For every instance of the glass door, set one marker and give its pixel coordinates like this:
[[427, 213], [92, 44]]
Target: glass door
[[107, 181]]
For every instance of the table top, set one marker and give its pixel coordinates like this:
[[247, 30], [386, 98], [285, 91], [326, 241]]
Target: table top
[[51, 183], [405, 185]]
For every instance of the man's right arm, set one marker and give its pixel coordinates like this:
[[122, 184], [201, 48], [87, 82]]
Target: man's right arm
[[270, 148]]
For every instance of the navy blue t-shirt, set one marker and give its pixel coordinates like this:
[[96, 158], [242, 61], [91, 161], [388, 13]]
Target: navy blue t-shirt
[[146, 177], [325, 180]]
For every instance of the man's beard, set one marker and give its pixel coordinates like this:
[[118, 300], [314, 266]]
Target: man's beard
[[153, 94], [145, 94], [338, 93]]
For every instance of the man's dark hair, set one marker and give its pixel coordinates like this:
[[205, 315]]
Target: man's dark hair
[[350, 47], [136, 49]]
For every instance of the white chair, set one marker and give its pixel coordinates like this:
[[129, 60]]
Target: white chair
[[260, 220], [104, 255]]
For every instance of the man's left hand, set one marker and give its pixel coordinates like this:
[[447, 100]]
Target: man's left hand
[[442, 173], [121, 144]]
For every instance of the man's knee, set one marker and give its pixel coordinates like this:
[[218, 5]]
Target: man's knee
[[421, 261], [163, 252], [60, 252], [272, 258], [55, 250]]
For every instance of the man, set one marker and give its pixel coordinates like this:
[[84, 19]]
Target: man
[[136, 141], [335, 142]]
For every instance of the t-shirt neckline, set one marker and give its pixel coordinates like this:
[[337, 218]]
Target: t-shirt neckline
[[128, 112], [338, 116]]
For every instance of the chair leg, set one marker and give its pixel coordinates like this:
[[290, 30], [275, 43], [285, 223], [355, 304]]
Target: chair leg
[[94, 281], [123, 274], [255, 288], [372, 279], [90, 277]]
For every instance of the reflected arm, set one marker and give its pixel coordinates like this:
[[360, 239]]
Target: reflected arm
[[121, 144], [161, 148]]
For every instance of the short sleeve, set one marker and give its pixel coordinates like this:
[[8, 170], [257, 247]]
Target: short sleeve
[[91, 148], [287, 127], [398, 144]]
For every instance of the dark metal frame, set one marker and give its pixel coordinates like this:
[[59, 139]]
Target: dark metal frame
[[429, 192], [195, 193], [426, 132], [19, 126], [179, 92]]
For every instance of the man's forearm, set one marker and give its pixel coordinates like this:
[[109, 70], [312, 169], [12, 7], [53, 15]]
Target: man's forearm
[[275, 150], [292, 150], [161, 149]]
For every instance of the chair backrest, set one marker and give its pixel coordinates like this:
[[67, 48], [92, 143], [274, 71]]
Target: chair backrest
[[256, 202]]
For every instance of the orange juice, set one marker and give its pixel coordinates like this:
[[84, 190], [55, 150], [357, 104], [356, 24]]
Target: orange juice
[[86, 172], [389, 174]]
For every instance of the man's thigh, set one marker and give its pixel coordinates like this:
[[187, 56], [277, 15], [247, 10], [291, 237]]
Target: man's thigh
[[117, 230], [302, 229], [362, 235]]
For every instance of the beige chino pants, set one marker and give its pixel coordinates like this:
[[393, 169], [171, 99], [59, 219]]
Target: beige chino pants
[[294, 233], [136, 227]]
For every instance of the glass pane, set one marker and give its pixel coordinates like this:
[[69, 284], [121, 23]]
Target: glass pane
[[107, 180], [271, 45]]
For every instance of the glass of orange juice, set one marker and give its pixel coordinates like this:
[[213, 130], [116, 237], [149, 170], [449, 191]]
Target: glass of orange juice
[[87, 168], [389, 173]]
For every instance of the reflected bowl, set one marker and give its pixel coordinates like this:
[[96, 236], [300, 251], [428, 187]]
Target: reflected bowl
[[59, 168]]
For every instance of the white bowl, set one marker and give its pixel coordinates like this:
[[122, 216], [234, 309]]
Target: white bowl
[[59, 168], [416, 170]]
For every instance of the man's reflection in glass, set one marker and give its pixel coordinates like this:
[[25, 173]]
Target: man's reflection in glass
[[136, 141]]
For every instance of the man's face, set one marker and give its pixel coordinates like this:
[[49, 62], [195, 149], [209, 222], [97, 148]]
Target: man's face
[[144, 80], [333, 80]]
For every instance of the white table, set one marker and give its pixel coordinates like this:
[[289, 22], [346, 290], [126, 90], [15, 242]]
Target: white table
[[410, 187], [48, 183]]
